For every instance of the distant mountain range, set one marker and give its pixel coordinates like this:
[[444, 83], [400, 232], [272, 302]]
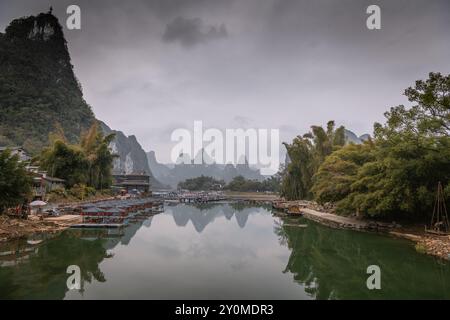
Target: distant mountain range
[[186, 169]]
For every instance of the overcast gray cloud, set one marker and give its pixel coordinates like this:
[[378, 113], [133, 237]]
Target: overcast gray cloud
[[285, 64], [190, 32]]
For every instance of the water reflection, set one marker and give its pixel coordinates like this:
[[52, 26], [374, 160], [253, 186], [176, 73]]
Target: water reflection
[[44, 275], [202, 215], [39, 271], [222, 251], [332, 264]]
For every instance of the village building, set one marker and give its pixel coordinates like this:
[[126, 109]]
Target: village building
[[132, 183], [43, 183]]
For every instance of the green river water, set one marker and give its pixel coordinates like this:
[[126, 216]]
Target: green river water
[[220, 251]]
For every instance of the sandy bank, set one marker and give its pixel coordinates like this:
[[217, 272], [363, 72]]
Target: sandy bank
[[12, 228]]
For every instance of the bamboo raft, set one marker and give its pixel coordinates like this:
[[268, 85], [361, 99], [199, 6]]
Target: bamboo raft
[[116, 213]]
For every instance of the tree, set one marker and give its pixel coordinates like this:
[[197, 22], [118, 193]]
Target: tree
[[100, 159], [411, 156], [307, 152], [88, 163], [201, 183], [65, 161], [333, 180], [15, 183]]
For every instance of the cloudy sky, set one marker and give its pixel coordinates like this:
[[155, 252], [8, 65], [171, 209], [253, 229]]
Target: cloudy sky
[[149, 67]]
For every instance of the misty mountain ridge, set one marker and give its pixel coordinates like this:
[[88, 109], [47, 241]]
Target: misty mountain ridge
[[202, 164], [350, 136], [131, 157]]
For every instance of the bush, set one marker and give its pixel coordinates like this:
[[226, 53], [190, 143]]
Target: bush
[[81, 191]]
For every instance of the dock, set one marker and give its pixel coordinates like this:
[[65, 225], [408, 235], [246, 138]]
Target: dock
[[115, 213]]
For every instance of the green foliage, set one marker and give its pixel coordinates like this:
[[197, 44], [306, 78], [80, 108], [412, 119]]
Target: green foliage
[[15, 183], [88, 163], [338, 172], [81, 191], [241, 184], [307, 152], [398, 175], [201, 183], [38, 89], [100, 159], [65, 161]]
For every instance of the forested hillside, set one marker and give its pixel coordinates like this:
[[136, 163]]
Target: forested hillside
[[38, 88]]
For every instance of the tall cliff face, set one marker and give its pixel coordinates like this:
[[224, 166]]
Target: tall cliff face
[[39, 92], [131, 156], [38, 88]]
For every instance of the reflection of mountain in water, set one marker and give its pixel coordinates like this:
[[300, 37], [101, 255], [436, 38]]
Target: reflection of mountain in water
[[204, 214], [332, 264], [128, 233]]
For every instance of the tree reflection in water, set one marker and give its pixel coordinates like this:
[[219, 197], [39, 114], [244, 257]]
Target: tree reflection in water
[[332, 264], [44, 275]]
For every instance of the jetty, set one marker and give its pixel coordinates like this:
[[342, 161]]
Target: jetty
[[192, 197]]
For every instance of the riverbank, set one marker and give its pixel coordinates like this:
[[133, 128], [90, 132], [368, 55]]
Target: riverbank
[[435, 245], [13, 228], [251, 196]]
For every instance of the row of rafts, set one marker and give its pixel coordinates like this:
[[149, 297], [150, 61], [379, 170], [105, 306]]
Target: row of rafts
[[116, 213]]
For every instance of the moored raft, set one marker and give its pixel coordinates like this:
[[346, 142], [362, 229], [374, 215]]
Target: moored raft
[[115, 213]]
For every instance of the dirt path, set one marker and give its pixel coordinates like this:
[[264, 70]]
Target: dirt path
[[335, 220]]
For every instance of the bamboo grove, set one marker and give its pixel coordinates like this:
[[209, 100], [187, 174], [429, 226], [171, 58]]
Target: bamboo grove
[[392, 175]]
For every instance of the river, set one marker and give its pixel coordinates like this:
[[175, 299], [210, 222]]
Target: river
[[220, 251]]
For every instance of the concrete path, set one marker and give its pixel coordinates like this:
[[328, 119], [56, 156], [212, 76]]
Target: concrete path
[[335, 220]]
